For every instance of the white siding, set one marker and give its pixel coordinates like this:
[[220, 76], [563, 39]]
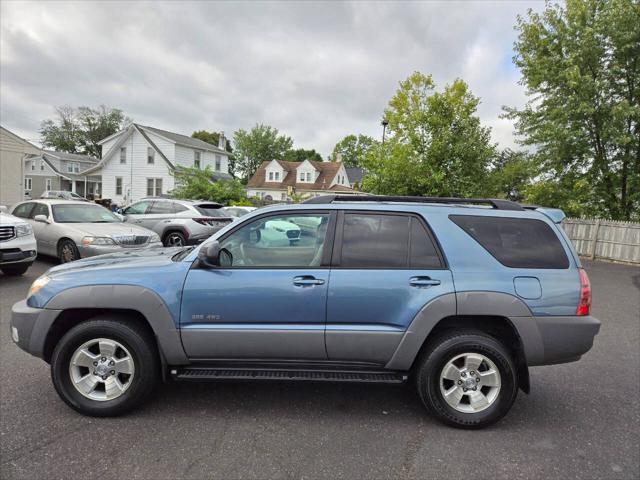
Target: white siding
[[185, 156], [136, 171]]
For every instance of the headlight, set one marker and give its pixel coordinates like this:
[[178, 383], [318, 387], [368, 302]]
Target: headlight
[[86, 241], [23, 229], [38, 284], [154, 238]]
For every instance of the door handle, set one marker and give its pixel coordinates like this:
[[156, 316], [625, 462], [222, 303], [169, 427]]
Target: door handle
[[307, 280], [423, 282]]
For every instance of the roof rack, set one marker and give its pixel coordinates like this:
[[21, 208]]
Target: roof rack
[[498, 204]]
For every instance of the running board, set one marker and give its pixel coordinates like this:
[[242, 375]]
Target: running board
[[287, 375]]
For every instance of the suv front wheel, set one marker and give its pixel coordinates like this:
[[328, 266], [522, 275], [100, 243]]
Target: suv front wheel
[[467, 379], [105, 366]]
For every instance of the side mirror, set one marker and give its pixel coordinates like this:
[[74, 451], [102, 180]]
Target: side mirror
[[212, 255], [121, 217], [41, 218]]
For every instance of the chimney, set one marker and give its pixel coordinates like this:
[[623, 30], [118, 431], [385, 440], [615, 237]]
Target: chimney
[[222, 142]]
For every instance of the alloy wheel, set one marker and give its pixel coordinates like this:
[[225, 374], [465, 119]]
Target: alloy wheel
[[470, 382], [101, 369]]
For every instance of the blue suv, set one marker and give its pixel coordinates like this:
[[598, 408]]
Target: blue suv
[[459, 296]]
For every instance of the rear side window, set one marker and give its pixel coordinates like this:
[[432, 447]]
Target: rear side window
[[39, 209], [161, 207], [386, 241], [516, 242], [23, 210]]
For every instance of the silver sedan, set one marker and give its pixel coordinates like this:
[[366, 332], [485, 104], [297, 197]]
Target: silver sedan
[[71, 230]]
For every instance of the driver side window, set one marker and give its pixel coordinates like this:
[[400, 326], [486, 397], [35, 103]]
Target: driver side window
[[286, 240], [137, 208]]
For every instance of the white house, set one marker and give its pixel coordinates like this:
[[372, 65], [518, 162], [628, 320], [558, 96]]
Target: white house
[[277, 180], [137, 161]]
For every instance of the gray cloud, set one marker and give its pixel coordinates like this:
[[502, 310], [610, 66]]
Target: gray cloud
[[316, 71]]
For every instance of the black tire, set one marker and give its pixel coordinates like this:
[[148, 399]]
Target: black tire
[[15, 270], [67, 251], [134, 338], [174, 239], [445, 348]]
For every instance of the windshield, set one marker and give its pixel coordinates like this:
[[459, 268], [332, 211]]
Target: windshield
[[82, 214]]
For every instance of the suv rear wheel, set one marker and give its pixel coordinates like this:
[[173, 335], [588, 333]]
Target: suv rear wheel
[[175, 239], [105, 366], [467, 379]]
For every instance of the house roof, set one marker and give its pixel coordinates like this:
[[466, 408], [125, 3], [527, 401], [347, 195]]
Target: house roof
[[354, 174], [48, 155], [73, 157], [184, 140], [19, 139], [328, 171]]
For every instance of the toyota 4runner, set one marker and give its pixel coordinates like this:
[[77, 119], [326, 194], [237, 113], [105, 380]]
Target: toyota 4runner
[[458, 296]]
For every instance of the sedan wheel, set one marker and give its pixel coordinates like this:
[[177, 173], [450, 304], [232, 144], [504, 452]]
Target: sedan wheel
[[68, 252]]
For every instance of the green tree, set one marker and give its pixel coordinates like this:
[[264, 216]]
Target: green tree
[[197, 184], [301, 154], [352, 150], [511, 174], [436, 144], [260, 143], [580, 63], [79, 130]]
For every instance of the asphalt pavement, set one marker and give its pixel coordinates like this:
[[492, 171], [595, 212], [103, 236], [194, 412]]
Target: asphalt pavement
[[581, 420]]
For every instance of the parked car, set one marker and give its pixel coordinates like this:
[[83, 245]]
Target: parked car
[[458, 298], [62, 194], [178, 222], [239, 211], [71, 230], [17, 244]]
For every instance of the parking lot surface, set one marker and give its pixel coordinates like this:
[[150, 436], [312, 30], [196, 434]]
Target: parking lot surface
[[581, 420]]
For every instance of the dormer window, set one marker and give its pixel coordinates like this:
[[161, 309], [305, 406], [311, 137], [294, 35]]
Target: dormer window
[[277, 176], [302, 176], [308, 176], [271, 176]]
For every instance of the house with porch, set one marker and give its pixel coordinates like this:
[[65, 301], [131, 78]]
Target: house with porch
[[50, 170], [138, 161], [277, 180]]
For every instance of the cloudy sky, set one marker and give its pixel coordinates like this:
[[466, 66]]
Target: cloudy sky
[[316, 71]]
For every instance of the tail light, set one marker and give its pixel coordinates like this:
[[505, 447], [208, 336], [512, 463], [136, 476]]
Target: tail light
[[584, 305]]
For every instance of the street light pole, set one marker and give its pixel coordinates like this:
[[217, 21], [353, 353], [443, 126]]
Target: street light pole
[[384, 128]]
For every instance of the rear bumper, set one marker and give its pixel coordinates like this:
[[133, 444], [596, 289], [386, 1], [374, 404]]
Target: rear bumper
[[551, 340], [30, 326]]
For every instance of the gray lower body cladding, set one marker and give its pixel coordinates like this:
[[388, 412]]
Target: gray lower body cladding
[[553, 339]]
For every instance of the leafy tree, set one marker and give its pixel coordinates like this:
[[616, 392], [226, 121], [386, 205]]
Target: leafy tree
[[580, 63], [196, 183], [436, 144], [79, 130], [352, 150], [511, 174], [300, 155], [260, 143]]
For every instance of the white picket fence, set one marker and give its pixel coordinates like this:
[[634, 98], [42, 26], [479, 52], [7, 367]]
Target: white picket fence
[[605, 239]]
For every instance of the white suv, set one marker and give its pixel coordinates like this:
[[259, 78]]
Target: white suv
[[17, 245]]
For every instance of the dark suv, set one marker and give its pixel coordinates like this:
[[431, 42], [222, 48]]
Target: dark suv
[[459, 296]]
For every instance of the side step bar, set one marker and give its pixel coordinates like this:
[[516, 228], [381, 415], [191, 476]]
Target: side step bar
[[287, 375]]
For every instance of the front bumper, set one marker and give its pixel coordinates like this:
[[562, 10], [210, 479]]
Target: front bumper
[[30, 326], [18, 250], [93, 250], [553, 339]]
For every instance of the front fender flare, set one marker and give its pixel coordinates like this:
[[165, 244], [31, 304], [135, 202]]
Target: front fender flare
[[128, 297]]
